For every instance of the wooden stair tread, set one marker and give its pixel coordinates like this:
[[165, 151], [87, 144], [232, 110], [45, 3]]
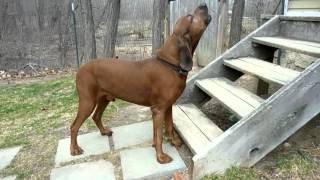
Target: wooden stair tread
[[235, 98], [305, 47], [267, 71], [194, 127]]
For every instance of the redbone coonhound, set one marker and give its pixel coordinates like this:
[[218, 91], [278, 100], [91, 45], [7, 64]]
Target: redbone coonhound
[[156, 82]]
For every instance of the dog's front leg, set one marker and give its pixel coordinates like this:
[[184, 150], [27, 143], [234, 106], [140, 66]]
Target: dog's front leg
[[169, 129], [158, 115]]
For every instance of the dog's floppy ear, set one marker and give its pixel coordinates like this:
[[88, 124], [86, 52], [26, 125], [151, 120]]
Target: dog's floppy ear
[[185, 53]]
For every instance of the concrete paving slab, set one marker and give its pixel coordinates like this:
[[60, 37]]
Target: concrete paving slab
[[141, 163], [133, 134], [98, 170], [91, 143], [9, 178], [7, 155]]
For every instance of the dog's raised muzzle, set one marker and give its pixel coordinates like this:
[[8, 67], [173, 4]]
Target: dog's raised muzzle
[[203, 6]]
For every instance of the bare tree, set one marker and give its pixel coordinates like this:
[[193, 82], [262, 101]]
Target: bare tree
[[112, 12], [61, 14], [3, 14], [40, 13], [167, 21], [236, 22], [89, 31], [159, 13], [259, 10]]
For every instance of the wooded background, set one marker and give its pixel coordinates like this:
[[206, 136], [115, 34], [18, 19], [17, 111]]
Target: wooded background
[[41, 31]]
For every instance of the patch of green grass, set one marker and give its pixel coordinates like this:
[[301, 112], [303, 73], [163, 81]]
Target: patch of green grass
[[39, 108], [235, 173], [295, 164]]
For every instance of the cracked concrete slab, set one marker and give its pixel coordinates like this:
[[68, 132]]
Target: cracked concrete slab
[[7, 155], [98, 170], [9, 178], [141, 163], [91, 143], [133, 134]]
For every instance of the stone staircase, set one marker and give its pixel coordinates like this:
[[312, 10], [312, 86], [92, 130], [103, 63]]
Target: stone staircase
[[263, 123]]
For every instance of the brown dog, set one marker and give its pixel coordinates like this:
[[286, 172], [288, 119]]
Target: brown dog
[[155, 82]]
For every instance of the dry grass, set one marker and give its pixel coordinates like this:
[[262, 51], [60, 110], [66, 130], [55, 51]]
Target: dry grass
[[36, 116]]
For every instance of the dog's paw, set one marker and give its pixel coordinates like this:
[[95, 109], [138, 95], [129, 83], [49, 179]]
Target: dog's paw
[[164, 158], [106, 131], [76, 150], [176, 142]]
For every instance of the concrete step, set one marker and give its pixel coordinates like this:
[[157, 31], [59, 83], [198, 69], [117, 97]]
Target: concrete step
[[197, 130], [98, 170], [304, 47], [92, 144], [7, 155], [141, 163], [262, 69], [9, 178], [132, 134], [132, 141], [235, 98]]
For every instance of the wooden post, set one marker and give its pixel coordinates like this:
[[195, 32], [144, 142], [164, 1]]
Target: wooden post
[[222, 26], [236, 22], [158, 25]]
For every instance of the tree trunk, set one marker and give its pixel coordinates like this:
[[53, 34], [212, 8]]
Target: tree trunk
[[158, 19], [89, 32], [3, 17], [167, 21], [112, 13], [40, 13], [223, 23], [259, 11], [236, 22], [61, 13]]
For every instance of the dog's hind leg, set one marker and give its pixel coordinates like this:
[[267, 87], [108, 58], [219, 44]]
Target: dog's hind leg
[[86, 107], [102, 104]]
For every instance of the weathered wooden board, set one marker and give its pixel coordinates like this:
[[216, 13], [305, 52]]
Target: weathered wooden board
[[264, 70], [250, 98], [216, 68], [301, 27], [309, 4], [199, 119], [300, 18], [272, 67], [236, 99], [305, 47], [190, 133], [275, 120]]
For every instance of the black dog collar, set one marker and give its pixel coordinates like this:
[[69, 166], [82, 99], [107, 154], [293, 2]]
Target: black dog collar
[[174, 67]]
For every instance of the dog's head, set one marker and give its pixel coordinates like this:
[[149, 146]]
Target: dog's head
[[186, 35]]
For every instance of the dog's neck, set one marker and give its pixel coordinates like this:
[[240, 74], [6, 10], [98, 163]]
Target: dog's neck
[[170, 51], [168, 55], [176, 68]]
